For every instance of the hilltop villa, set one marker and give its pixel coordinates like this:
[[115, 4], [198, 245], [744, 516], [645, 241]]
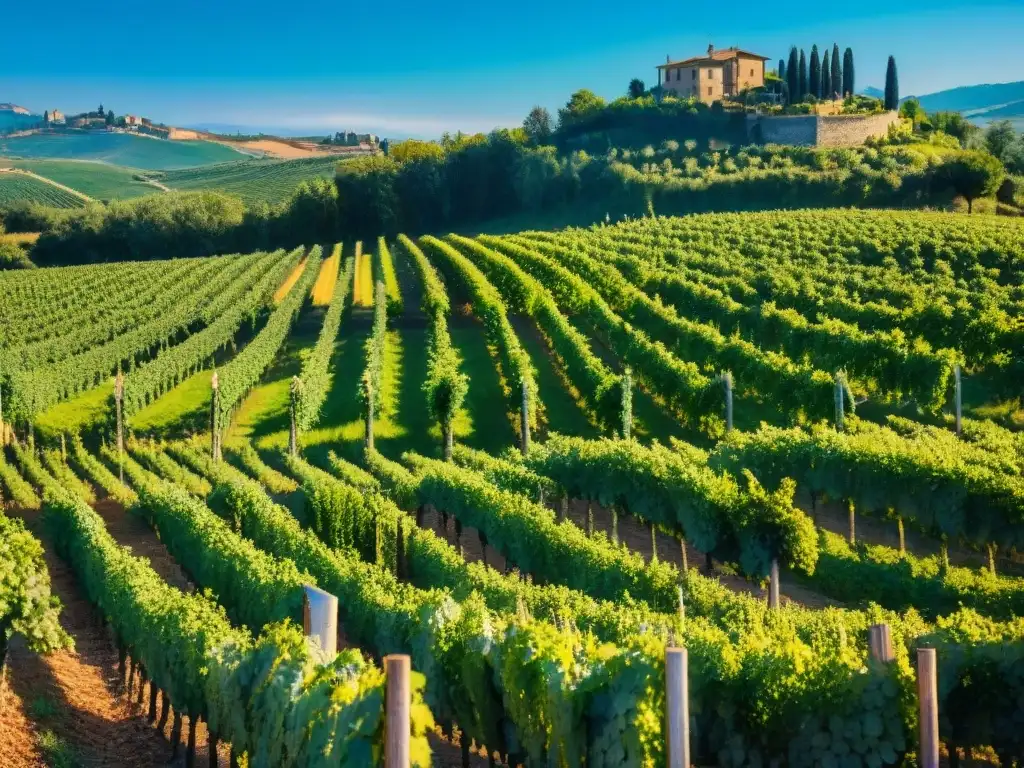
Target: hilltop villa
[[710, 78]]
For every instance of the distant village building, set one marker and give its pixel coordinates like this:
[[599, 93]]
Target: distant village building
[[716, 76], [55, 117], [132, 120]]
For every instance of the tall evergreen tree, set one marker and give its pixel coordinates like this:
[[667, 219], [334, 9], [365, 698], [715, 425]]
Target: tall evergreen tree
[[782, 69], [826, 77], [892, 86], [814, 82], [793, 75], [837, 71], [802, 84], [848, 79]]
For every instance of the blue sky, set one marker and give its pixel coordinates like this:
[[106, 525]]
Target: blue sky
[[404, 68]]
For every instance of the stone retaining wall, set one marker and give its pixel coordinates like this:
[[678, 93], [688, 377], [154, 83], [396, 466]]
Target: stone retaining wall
[[819, 130]]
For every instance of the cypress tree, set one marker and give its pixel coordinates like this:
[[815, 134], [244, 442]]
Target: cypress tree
[[802, 80], [892, 86], [848, 79], [837, 71], [782, 69], [793, 76], [814, 82], [826, 77]]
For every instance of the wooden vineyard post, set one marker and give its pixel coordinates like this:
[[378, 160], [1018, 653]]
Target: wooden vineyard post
[[320, 619], [369, 415], [773, 585], [295, 392], [590, 518], [3, 429], [615, 524], [958, 394], [563, 509], [63, 448], [928, 708], [677, 708], [449, 441], [215, 417], [654, 541], [852, 508], [118, 406], [398, 714], [880, 643], [840, 406], [627, 404], [524, 420], [727, 384]]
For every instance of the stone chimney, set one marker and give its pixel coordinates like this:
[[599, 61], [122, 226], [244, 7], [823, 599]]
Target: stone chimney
[[711, 50]]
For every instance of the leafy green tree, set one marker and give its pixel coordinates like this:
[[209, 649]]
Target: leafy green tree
[[313, 211], [367, 201], [836, 73], [972, 175], [826, 77], [793, 75], [46, 116], [538, 126], [581, 104], [892, 85], [413, 149], [911, 110], [999, 137], [803, 84], [636, 88], [814, 81], [848, 73], [110, 117]]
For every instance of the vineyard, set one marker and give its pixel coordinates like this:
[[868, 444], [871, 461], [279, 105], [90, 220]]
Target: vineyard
[[262, 180], [17, 187], [98, 180], [731, 489]]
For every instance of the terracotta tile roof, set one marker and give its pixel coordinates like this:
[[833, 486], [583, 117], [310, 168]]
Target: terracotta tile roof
[[716, 57]]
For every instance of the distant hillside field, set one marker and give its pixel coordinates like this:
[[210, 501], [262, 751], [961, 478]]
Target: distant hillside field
[[12, 120], [254, 180], [15, 187], [973, 97], [100, 181], [119, 149]]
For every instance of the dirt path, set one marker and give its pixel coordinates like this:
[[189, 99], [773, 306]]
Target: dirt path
[[71, 698]]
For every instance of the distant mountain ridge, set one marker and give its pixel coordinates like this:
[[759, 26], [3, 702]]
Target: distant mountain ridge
[[974, 98], [8, 107]]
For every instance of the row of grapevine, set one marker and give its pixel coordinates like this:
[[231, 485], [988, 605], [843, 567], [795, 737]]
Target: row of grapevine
[[680, 385], [244, 371], [384, 272], [541, 704], [514, 364], [258, 694], [315, 377], [789, 386], [371, 384], [893, 366], [176, 363], [598, 387], [445, 385]]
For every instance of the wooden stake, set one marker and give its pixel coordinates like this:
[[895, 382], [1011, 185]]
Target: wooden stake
[[449, 440], [615, 524], [928, 708], [3, 429], [320, 618], [880, 643], [677, 708], [63, 448], [165, 710], [118, 407], [627, 404], [654, 541], [992, 549], [590, 519], [903, 535], [682, 552], [151, 716], [398, 704], [853, 521], [563, 509], [958, 386], [369, 416], [524, 420], [773, 586]]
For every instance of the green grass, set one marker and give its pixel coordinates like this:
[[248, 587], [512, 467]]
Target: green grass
[[56, 751], [185, 408], [79, 414], [483, 422], [564, 414], [119, 149], [100, 181], [255, 180], [17, 187]]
